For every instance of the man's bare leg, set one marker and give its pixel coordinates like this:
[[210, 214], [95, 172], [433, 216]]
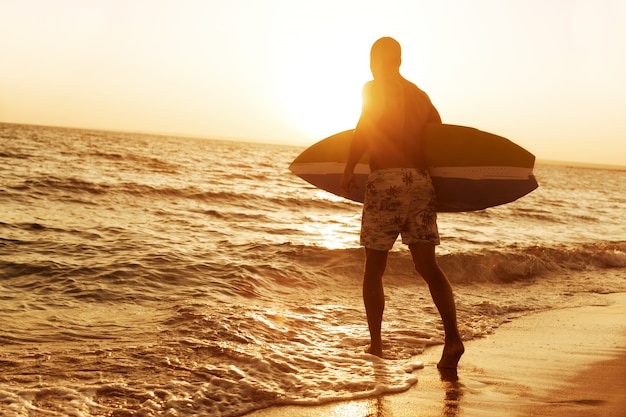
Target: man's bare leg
[[374, 297], [441, 292]]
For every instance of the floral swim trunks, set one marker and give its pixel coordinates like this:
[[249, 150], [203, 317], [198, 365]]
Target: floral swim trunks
[[399, 201]]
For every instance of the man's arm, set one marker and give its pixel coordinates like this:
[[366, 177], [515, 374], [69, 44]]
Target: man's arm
[[359, 144], [358, 147]]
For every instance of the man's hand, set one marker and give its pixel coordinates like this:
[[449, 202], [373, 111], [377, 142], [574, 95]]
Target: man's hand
[[348, 182]]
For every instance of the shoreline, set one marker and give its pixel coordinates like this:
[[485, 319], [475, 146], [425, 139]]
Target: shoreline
[[565, 362]]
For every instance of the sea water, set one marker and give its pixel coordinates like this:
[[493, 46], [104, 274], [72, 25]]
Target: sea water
[[164, 276]]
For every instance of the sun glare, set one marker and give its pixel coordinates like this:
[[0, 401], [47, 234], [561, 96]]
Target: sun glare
[[322, 97], [319, 80]]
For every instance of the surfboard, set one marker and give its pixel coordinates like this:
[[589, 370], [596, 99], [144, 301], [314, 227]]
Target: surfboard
[[470, 169]]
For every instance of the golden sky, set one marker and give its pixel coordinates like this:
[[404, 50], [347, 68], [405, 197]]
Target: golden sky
[[547, 74]]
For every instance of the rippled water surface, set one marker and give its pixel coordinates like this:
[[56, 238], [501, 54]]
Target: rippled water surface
[[158, 276]]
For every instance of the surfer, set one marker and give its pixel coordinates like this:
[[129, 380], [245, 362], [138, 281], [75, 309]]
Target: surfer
[[399, 196]]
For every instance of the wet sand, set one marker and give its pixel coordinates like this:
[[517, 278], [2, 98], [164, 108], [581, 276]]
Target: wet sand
[[568, 362]]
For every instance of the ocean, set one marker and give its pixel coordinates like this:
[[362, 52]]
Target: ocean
[[146, 275]]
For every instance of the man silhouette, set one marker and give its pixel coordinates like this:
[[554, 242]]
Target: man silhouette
[[399, 196]]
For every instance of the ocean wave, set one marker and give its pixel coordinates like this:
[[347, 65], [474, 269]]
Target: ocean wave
[[13, 155], [229, 205], [45, 186], [75, 186], [135, 161], [265, 268], [525, 264], [509, 265]]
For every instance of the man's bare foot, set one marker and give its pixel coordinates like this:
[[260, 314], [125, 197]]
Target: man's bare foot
[[376, 351], [451, 355]]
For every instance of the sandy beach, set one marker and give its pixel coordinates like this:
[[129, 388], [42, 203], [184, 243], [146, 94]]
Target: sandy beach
[[568, 362]]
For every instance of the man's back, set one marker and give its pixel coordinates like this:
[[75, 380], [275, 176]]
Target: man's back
[[397, 111]]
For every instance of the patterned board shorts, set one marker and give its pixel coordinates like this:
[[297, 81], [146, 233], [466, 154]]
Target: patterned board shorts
[[399, 201]]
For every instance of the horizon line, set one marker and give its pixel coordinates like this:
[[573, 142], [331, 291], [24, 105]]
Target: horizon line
[[541, 161]]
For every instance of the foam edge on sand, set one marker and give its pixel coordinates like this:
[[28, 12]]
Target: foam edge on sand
[[565, 362]]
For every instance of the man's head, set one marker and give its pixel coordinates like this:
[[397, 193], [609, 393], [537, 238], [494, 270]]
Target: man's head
[[385, 57]]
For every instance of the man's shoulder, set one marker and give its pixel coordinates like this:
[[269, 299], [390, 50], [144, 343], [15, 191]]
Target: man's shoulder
[[369, 86], [415, 90]]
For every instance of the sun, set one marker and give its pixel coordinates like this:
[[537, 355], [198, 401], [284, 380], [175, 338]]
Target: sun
[[319, 86]]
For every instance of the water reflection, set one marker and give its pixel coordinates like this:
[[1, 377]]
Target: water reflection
[[372, 407], [454, 392], [375, 407]]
